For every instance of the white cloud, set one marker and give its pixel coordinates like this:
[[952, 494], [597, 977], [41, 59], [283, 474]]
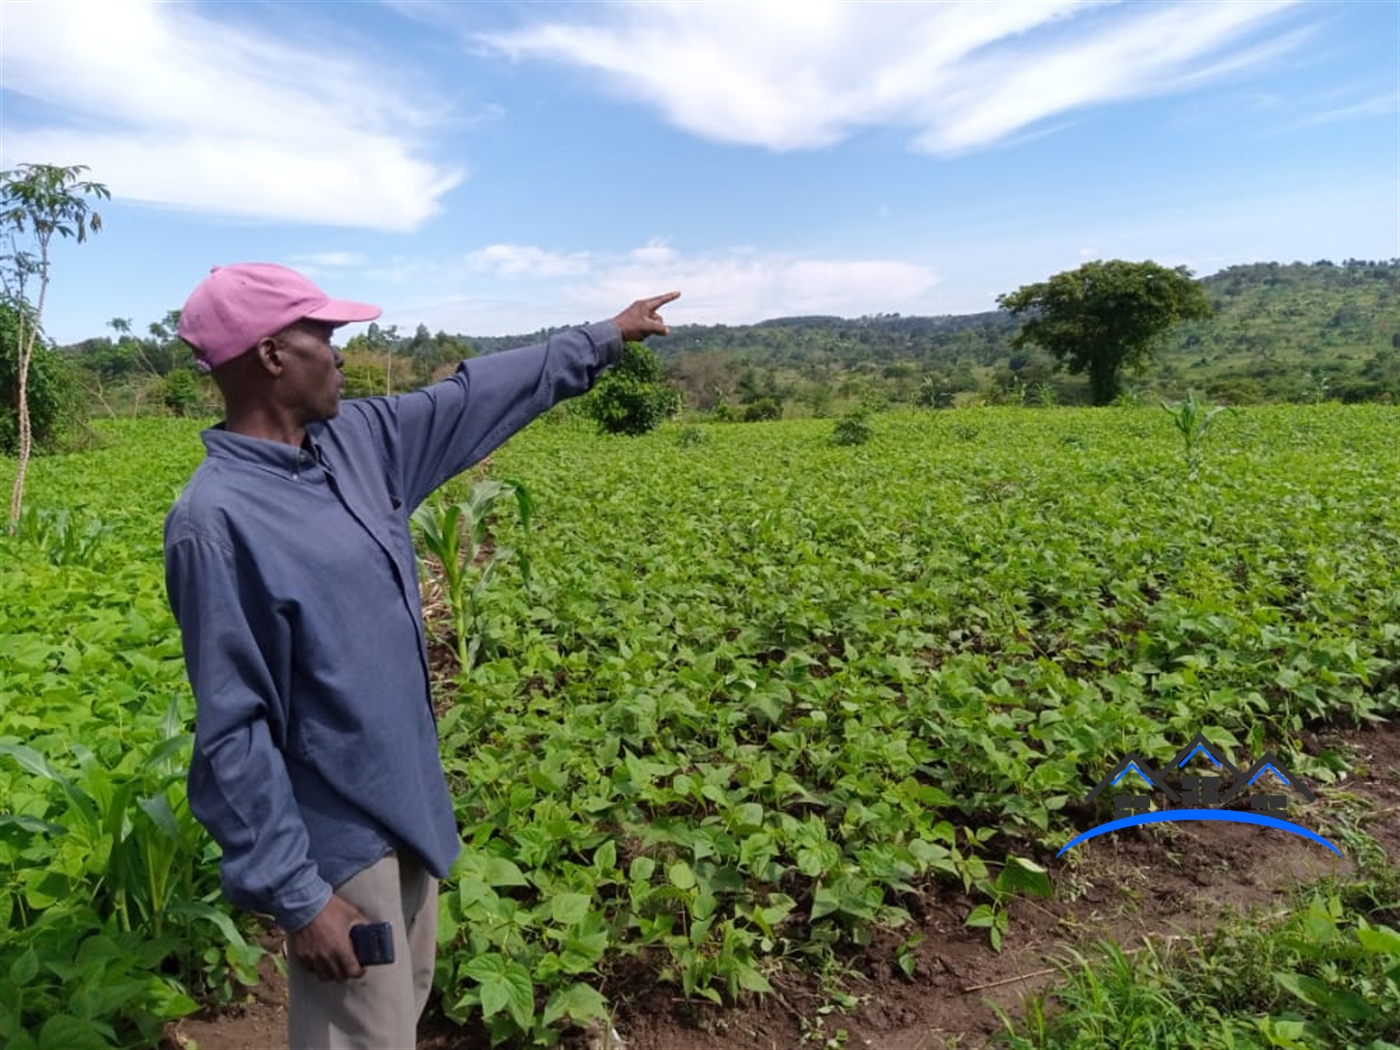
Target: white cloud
[[519, 288], [175, 109], [1376, 106], [960, 76], [515, 260]]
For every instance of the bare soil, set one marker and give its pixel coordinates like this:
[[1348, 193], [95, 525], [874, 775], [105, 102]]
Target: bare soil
[[1167, 881]]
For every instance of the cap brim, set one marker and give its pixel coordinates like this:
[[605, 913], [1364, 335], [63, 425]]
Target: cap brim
[[344, 311]]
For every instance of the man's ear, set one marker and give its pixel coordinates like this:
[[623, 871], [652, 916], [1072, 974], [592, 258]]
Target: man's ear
[[269, 356]]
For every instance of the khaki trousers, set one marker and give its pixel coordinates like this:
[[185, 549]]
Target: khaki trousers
[[380, 1010]]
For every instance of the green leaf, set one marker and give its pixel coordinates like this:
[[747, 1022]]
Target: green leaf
[[502, 985], [64, 1032], [31, 824], [681, 875], [983, 915], [509, 989], [1380, 939], [501, 872], [568, 909], [579, 1003], [752, 981], [749, 815], [1309, 989], [221, 920], [1024, 876], [25, 968], [824, 902], [605, 857]]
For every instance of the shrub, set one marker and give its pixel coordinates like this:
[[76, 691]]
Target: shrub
[[763, 410], [632, 399], [55, 399], [181, 395], [853, 429]]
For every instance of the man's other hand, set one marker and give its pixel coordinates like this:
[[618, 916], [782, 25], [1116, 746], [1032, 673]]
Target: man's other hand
[[641, 319], [323, 945]]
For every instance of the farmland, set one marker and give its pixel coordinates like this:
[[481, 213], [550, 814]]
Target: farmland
[[757, 696]]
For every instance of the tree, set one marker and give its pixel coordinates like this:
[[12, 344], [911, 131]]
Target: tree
[[36, 202], [1105, 315], [632, 398]]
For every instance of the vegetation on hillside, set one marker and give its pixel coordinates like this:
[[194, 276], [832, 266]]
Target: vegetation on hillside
[[1298, 332]]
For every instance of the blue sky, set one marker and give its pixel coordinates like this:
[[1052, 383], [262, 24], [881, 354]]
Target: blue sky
[[490, 168]]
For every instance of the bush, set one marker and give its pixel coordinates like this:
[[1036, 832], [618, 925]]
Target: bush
[[55, 398], [853, 429], [763, 410], [181, 395], [632, 399]]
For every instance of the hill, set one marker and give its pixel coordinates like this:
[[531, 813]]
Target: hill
[[1279, 332]]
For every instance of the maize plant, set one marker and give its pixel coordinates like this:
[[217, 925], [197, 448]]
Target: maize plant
[[458, 538], [1192, 419]]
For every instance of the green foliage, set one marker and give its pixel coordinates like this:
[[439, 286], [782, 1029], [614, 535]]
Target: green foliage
[[632, 398], [853, 429], [457, 535], [1328, 975], [59, 535], [107, 929], [181, 395], [763, 410], [55, 398], [753, 701], [37, 201], [1105, 316], [1192, 419]]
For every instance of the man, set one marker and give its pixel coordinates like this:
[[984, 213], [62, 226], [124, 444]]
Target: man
[[291, 572]]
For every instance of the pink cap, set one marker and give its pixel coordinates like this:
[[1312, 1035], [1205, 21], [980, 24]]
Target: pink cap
[[237, 306]]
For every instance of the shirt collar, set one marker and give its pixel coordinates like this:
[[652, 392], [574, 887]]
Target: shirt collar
[[275, 456]]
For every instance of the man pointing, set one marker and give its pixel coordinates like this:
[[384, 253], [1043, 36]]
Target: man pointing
[[291, 572]]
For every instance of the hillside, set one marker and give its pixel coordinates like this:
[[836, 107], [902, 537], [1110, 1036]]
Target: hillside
[[1294, 332]]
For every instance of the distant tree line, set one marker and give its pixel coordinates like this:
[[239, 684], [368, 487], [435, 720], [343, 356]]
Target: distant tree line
[[1275, 332]]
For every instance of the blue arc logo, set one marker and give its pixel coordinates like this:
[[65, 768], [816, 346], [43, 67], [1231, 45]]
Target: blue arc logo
[[1199, 814]]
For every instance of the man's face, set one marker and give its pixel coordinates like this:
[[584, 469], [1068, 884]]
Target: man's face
[[311, 383]]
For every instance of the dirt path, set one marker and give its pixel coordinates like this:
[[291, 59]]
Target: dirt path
[[1171, 882]]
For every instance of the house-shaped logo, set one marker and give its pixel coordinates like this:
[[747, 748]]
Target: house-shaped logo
[[1134, 783]]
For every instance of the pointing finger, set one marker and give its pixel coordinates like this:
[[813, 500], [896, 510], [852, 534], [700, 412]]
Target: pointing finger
[[661, 300]]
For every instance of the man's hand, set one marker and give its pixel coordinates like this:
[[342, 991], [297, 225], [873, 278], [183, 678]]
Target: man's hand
[[641, 319], [323, 945]]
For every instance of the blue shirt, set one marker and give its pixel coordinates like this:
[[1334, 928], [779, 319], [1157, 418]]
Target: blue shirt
[[291, 573]]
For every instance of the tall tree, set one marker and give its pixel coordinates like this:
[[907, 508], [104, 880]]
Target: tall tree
[[1105, 316], [36, 202]]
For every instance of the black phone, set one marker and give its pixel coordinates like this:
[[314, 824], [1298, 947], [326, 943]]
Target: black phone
[[373, 942]]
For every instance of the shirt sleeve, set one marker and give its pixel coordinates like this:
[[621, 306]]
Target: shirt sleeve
[[443, 429], [238, 784]]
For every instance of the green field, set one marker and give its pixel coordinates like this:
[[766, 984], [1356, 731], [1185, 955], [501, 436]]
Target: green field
[[755, 689]]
